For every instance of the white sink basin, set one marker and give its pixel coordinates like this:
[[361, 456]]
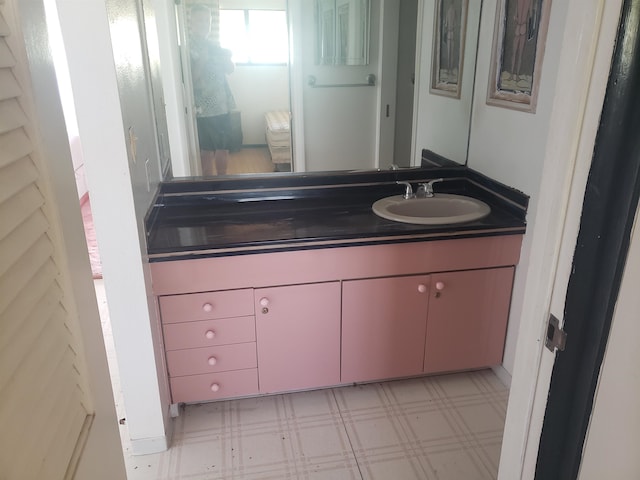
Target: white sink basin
[[441, 209]]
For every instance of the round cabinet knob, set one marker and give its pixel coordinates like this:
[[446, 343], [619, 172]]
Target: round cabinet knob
[[422, 288], [207, 307], [212, 361], [215, 387], [210, 334], [264, 303], [439, 286]]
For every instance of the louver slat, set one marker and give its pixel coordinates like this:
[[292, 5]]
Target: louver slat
[[13, 318], [16, 176], [18, 207], [9, 87], [11, 116], [28, 233], [20, 344], [13, 146], [22, 271]]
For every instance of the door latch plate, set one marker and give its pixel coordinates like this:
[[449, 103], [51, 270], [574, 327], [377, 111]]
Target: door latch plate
[[556, 338]]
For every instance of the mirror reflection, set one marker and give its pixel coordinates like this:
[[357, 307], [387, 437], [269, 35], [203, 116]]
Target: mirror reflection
[[342, 32], [367, 113], [238, 54]]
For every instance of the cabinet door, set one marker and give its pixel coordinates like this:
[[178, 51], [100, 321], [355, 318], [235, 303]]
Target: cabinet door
[[383, 327], [467, 319], [298, 336]]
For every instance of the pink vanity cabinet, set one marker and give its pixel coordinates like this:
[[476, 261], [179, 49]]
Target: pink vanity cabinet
[[404, 326], [298, 331], [384, 323], [467, 319], [210, 344], [293, 320]]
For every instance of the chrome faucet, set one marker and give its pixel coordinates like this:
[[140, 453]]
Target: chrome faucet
[[408, 192], [425, 190]]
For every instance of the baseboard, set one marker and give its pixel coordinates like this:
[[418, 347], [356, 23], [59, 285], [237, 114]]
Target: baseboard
[[503, 375]]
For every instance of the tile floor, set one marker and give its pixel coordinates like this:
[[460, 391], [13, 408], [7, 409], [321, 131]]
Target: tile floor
[[442, 427]]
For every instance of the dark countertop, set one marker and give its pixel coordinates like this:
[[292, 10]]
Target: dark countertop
[[218, 218]]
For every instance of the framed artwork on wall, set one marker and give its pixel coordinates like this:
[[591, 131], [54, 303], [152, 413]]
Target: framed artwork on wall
[[450, 26], [518, 49]]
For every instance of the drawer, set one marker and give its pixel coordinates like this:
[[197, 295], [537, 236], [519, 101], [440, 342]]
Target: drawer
[[212, 386], [207, 333], [207, 305], [195, 361]]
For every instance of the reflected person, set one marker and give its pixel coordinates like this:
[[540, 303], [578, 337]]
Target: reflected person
[[210, 65]]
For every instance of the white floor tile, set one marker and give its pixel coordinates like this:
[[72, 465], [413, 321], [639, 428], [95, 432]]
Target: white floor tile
[[395, 468], [456, 464], [481, 418], [446, 427]]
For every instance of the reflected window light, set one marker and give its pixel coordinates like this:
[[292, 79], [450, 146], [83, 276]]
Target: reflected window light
[[255, 36]]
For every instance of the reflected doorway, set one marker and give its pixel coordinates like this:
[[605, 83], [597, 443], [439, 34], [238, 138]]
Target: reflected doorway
[[405, 83], [256, 35]]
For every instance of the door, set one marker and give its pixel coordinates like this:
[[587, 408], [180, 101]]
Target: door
[[298, 336], [383, 327], [614, 429], [600, 254], [467, 319], [57, 408]]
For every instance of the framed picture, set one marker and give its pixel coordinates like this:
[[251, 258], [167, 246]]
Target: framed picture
[[450, 26], [518, 49]]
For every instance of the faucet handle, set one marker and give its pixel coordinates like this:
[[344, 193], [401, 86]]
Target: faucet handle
[[426, 189], [421, 192], [408, 192]]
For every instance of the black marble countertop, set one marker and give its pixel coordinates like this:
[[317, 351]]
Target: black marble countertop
[[216, 218]]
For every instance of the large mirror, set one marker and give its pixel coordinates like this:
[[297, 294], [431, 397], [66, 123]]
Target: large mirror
[[342, 32], [321, 85]]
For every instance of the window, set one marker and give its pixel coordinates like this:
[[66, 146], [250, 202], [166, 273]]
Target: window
[[255, 36]]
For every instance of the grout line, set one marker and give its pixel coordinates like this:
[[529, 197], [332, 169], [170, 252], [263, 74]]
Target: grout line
[[353, 452]]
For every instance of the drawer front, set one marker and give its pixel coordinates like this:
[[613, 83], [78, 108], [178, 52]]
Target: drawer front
[[196, 361], [207, 333], [207, 305], [212, 386]]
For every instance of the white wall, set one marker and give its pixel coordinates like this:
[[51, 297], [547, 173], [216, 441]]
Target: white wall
[[339, 123], [611, 446], [259, 89], [443, 122], [509, 145], [109, 99]]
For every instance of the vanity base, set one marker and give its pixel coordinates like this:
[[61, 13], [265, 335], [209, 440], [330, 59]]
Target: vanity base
[[288, 321]]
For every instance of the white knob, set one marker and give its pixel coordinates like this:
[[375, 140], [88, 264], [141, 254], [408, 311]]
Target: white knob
[[422, 288], [210, 334], [207, 307], [215, 387], [264, 302], [439, 286], [212, 361]]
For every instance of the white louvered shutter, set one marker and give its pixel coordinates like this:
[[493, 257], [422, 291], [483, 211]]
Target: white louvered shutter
[[43, 404]]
